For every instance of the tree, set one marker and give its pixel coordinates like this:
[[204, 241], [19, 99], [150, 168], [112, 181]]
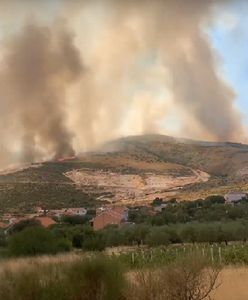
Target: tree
[[113, 236], [157, 237], [24, 224], [35, 241], [96, 242], [189, 234], [136, 234]]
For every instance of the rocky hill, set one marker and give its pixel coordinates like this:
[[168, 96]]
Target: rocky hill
[[129, 170]]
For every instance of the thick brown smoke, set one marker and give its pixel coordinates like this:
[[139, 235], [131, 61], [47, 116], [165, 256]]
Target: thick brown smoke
[[172, 31], [39, 64], [142, 59]]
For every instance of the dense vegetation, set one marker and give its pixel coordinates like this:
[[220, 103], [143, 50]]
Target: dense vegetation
[[211, 209], [36, 241], [60, 238], [203, 221]]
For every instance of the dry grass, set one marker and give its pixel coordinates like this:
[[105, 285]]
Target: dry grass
[[233, 280], [14, 265], [62, 278], [233, 286]]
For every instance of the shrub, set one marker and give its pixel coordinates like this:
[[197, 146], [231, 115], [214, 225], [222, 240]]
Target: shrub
[[146, 285], [192, 277], [189, 278], [96, 278]]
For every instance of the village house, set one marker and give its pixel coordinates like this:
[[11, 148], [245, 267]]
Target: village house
[[45, 221], [110, 216], [234, 197]]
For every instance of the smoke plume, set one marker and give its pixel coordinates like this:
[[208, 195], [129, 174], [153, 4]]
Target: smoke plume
[[38, 66], [141, 60]]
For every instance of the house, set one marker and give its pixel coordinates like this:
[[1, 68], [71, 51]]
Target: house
[[234, 197], [45, 221], [110, 216]]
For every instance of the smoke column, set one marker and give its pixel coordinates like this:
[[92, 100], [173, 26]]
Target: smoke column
[[141, 60], [38, 66]]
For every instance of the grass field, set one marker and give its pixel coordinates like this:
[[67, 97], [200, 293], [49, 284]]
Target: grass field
[[232, 280]]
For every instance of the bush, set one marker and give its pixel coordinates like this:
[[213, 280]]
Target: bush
[[35, 241]]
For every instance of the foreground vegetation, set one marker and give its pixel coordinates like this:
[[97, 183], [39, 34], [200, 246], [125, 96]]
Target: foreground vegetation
[[103, 278]]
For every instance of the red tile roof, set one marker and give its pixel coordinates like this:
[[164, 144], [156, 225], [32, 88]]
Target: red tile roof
[[116, 215], [46, 221]]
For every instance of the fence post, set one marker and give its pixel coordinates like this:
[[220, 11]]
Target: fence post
[[220, 255], [212, 253], [133, 258]]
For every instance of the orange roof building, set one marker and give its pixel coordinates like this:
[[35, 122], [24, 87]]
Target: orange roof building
[[110, 216], [46, 221]]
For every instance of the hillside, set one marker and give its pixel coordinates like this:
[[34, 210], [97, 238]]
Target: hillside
[[218, 159], [129, 170]]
